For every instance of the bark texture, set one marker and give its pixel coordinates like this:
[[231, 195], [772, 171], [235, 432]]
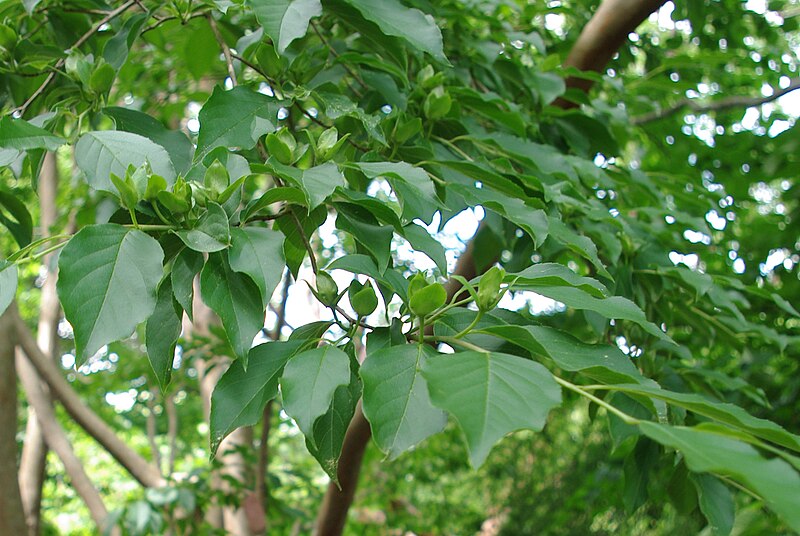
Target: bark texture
[[57, 440], [12, 517], [34, 449]]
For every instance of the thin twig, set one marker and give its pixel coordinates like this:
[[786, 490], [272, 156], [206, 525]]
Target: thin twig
[[347, 68], [722, 104], [85, 37], [224, 46], [306, 243], [162, 20]]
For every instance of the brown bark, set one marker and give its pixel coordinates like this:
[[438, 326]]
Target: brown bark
[[333, 511], [596, 45], [232, 520], [142, 470], [602, 36], [12, 518], [34, 450]]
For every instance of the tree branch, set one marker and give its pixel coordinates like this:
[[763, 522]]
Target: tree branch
[[60, 63], [57, 440], [143, 471], [226, 51], [602, 36], [715, 106], [34, 450]]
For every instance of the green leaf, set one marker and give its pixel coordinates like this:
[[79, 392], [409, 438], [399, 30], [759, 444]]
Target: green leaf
[[176, 143], [161, 333], [582, 245], [235, 118], [376, 238], [531, 220], [615, 307], [421, 240], [330, 428], [288, 194], [20, 135], [396, 400], [258, 252], [491, 395], [211, 232], [107, 283], [101, 153], [116, 49], [317, 182], [363, 264], [550, 274], [15, 216], [774, 480], [187, 265], [294, 247], [393, 18], [716, 503], [722, 412], [241, 394], [8, 284], [236, 300], [285, 20], [309, 382], [602, 362], [412, 185]]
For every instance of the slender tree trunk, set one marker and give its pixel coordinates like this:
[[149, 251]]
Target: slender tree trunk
[[12, 517], [232, 520], [34, 450], [596, 45], [57, 440]]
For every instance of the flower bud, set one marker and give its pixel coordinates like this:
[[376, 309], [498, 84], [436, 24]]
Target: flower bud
[[362, 298], [327, 289]]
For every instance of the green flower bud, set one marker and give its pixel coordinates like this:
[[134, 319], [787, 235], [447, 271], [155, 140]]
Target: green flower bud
[[216, 178], [437, 104], [327, 140], [327, 289], [427, 299], [281, 145], [489, 289], [362, 298], [416, 283]]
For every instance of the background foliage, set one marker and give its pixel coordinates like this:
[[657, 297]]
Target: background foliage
[[645, 230]]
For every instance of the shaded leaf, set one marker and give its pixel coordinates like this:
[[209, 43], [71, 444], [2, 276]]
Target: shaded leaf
[[396, 400], [309, 382], [258, 252], [101, 153], [107, 283], [235, 118], [491, 395], [285, 20], [237, 301], [161, 333], [241, 394]]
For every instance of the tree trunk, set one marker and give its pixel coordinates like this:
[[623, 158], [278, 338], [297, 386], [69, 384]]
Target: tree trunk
[[596, 45], [57, 440], [34, 450], [12, 517], [232, 520]]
